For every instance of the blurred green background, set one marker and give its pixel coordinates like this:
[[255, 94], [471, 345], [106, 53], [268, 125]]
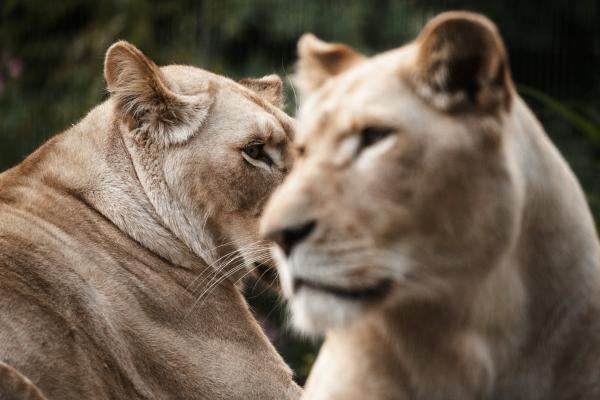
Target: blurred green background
[[51, 55]]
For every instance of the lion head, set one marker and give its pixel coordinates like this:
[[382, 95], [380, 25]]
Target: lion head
[[403, 187], [208, 152]]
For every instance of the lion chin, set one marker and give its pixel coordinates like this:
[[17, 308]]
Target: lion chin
[[431, 231], [315, 312]]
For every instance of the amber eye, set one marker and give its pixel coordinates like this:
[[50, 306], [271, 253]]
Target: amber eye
[[371, 135], [257, 152]]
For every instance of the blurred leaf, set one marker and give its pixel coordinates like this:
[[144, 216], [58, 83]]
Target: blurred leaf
[[584, 125]]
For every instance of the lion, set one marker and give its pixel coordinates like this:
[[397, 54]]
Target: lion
[[122, 239], [430, 229]]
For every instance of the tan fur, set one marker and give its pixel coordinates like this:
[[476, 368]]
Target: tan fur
[[463, 219], [270, 87], [111, 231], [320, 61]]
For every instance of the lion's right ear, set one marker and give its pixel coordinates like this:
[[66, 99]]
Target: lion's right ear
[[462, 63], [269, 87], [143, 95], [319, 61]]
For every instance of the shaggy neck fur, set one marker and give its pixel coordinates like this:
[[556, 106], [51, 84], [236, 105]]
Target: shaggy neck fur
[[172, 211], [124, 182]]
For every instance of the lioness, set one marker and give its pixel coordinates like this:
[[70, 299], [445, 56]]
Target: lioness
[[431, 229], [109, 234]]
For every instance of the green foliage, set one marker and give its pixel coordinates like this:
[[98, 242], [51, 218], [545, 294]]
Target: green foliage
[[586, 126]]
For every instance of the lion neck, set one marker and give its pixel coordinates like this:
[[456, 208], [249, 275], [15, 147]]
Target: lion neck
[[190, 226], [97, 163]]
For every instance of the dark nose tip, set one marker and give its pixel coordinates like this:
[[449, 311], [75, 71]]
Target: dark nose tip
[[288, 237]]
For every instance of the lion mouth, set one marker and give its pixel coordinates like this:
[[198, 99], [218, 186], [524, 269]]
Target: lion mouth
[[362, 293]]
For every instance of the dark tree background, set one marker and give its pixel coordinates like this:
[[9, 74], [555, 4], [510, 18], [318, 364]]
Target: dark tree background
[[51, 55]]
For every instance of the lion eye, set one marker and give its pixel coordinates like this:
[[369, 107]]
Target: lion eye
[[371, 135], [257, 152]]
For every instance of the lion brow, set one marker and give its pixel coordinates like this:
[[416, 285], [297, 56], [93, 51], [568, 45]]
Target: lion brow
[[279, 114]]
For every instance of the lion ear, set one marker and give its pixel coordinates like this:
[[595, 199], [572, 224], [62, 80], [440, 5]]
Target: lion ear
[[319, 61], [145, 98], [462, 62], [268, 87]]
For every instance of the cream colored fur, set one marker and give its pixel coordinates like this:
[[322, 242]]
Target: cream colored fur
[[111, 235], [452, 254]]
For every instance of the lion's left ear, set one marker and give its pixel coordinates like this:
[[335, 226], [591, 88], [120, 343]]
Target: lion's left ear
[[462, 63], [318, 61], [268, 87], [148, 101]]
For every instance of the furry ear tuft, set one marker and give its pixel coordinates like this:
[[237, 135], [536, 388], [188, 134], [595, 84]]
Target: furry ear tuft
[[269, 87], [319, 61], [143, 95], [462, 62]]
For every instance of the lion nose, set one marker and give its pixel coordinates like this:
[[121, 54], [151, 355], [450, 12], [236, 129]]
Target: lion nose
[[288, 237]]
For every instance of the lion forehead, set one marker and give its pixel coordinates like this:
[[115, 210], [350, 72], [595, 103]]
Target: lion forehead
[[369, 93]]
